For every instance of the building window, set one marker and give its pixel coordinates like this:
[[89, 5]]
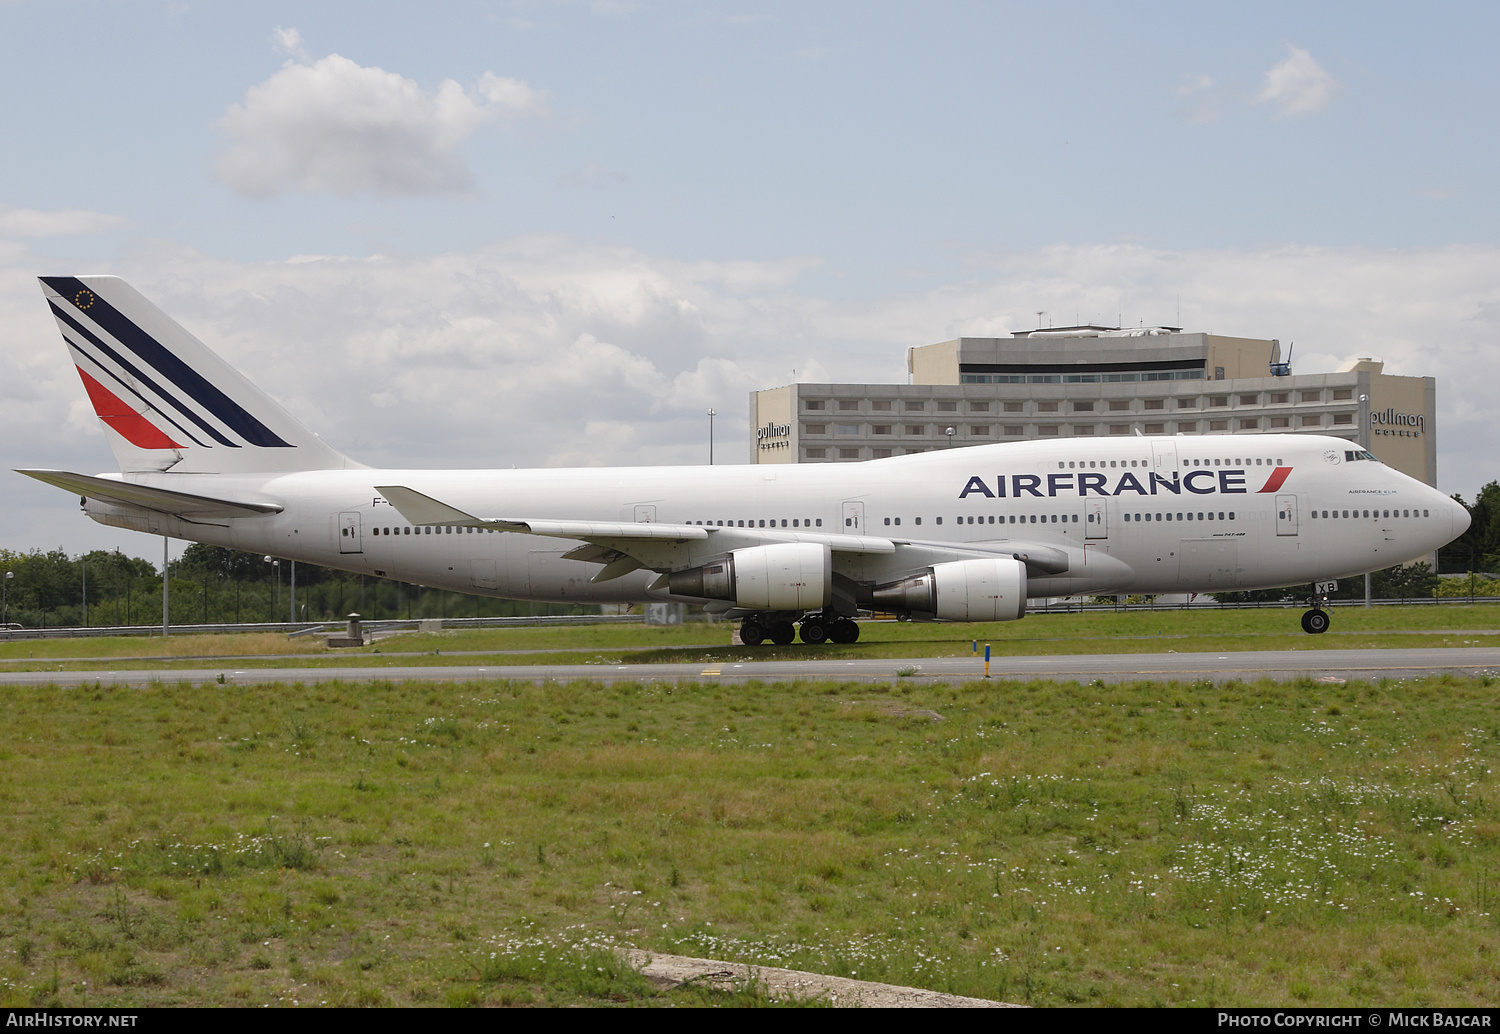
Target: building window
[[1342, 393], [880, 429], [881, 406], [1083, 428], [881, 454], [1186, 425], [980, 430], [1312, 396], [979, 407], [914, 406], [1047, 429], [1249, 424], [1119, 428], [848, 405], [848, 429], [814, 428], [916, 428], [1156, 403], [1312, 421], [816, 454], [916, 452], [813, 404], [1218, 373], [947, 406], [848, 454], [1218, 425], [1083, 407], [1156, 428], [1191, 403], [1281, 421], [1279, 396], [1046, 407], [1015, 407], [1119, 405], [1249, 400], [1014, 430], [1218, 400], [1343, 418]]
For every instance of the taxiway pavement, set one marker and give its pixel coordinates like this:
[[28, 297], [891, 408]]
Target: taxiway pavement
[[1280, 665]]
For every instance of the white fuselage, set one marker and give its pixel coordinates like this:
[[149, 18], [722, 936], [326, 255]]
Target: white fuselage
[[1134, 515]]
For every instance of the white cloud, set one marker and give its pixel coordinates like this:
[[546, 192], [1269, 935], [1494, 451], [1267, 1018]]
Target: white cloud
[[32, 222], [546, 351], [339, 127], [1199, 101], [290, 42], [1298, 85]]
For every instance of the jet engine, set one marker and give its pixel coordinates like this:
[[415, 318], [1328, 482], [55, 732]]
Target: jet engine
[[784, 576], [964, 590]]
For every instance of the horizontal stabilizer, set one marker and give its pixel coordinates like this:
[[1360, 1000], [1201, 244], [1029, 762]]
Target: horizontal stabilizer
[[161, 500]]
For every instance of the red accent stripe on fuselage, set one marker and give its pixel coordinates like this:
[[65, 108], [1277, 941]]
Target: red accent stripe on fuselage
[[1278, 476], [116, 412]]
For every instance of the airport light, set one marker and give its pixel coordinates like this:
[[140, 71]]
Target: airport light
[[949, 433], [711, 437], [277, 565], [5, 601]]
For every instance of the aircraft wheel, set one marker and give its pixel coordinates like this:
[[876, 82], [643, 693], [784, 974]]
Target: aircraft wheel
[[814, 632], [1315, 622], [783, 632], [844, 630], [751, 632]]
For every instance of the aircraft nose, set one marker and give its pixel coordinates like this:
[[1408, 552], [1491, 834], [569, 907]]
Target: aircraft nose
[[1461, 518]]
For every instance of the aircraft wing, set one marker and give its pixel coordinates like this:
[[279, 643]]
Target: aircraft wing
[[623, 546], [145, 497]]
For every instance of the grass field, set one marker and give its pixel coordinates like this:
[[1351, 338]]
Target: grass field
[[489, 843], [1063, 633]]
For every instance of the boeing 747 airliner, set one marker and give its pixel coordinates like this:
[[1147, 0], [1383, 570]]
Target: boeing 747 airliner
[[967, 534]]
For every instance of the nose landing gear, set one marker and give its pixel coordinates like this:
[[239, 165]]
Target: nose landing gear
[[1316, 620]]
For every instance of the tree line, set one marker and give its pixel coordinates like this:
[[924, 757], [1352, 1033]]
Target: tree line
[[215, 585]]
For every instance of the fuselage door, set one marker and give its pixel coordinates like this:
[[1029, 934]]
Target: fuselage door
[[1286, 515], [349, 537], [1163, 456], [1094, 527], [854, 517]]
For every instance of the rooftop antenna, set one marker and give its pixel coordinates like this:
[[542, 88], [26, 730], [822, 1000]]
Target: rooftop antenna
[[1282, 367]]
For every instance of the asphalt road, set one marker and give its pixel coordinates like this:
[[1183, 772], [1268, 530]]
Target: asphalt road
[[1217, 667]]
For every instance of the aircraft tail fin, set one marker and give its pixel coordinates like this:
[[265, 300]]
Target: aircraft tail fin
[[166, 401]]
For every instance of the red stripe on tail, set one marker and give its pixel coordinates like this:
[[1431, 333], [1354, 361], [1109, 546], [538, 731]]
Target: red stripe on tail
[[115, 412]]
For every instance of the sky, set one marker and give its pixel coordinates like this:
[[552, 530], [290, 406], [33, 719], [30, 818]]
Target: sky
[[491, 234]]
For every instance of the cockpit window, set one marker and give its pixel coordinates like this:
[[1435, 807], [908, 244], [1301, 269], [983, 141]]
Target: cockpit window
[[1351, 455]]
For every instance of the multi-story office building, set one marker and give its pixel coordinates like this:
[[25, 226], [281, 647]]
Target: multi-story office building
[[1081, 381]]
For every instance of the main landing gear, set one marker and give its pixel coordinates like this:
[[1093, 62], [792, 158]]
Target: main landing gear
[[822, 627]]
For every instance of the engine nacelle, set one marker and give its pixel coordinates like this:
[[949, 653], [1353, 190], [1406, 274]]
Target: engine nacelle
[[784, 576], [965, 590]]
